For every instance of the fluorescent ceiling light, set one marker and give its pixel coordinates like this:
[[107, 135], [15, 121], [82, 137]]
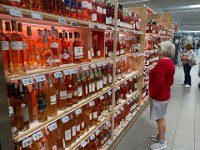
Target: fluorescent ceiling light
[[133, 2], [188, 31], [194, 6]]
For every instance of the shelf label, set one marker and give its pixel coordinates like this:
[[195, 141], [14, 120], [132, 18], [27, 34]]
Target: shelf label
[[73, 71], [91, 103], [78, 111], [58, 74], [65, 119], [100, 26], [53, 126], [104, 63], [91, 25], [99, 64], [92, 137], [40, 78], [27, 142], [36, 15], [101, 97], [16, 12], [27, 81], [97, 132], [37, 136], [83, 143], [109, 142], [118, 112], [93, 65], [112, 28], [66, 72], [62, 20], [107, 123], [85, 67], [74, 23], [109, 93]]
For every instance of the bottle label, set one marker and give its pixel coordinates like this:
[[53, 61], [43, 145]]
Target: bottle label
[[80, 91], [97, 132], [94, 17], [92, 137], [122, 51], [93, 87], [89, 5], [25, 45], [119, 76], [74, 131], [4, 45], [68, 135], [69, 95], [108, 20], [104, 11], [65, 55], [91, 103], [78, 51], [90, 116], [86, 89], [63, 94], [104, 80], [54, 45], [65, 119], [25, 112], [78, 111], [123, 74], [53, 100], [16, 45], [78, 128], [95, 114], [84, 4], [54, 147], [99, 9], [75, 93], [90, 88], [42, 105], [11, 111]]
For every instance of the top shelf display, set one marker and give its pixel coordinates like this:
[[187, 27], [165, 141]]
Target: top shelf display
[[98, 15]]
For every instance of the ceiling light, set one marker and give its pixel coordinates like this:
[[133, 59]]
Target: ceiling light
[[194, 6]]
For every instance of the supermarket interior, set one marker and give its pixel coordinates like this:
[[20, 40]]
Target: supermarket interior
[[82, 74]]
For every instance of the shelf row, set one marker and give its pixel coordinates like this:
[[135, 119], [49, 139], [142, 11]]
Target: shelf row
[[37, 17], [157, 35]]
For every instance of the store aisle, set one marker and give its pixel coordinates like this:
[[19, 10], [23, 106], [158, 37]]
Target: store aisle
[[183, 120]]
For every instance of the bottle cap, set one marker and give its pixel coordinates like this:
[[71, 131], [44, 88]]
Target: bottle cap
[[7, 26]]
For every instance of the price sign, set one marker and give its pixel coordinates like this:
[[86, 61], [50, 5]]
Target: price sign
[[78, 111], [37, 136], [97, 132], [91, 25], [92, 136], [62, 20], [83, 143], [112, 28], [15, 13], [73, 71], [27, 81], [36, 15], [58, 74], [40, 78], [91, 103], [27, 142], [101, 97], [93, 65], [65, 119], [118, 112], [53, 126], [74, 23], [67, 72], [99, 26]]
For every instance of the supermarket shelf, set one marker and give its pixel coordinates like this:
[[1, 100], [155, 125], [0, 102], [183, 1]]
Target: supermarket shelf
[[154, 59], [159, 36], [125, 101], [36, 126], [150, 51], [134, 74], [150, 66], [87, 134], [37, 72], [5, 9]]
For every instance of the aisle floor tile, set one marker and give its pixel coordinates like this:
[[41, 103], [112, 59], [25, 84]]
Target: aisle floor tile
[[197, 145], [177, 147], [184, 142], [185, 133]]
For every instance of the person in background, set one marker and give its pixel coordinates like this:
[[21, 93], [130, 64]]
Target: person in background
[[186, 59], [161, 79]]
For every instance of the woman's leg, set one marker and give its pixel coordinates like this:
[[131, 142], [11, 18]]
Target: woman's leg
[[184, 69], [161, 129], [188, 69]]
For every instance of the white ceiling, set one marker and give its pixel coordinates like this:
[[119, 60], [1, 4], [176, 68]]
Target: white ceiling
[[189, 17]]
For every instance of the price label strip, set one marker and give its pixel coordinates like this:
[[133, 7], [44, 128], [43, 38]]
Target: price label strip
[[62, 20], [40, 78], [91, 25], [58, 74], [37, 136], [36, 15], [27, 81], [67, 72], [93, 65], [73, 71], [92, 137], [27, 142], [78, 111], [85, 67], [97, 132], [65, 119], [91, 103], [15, 13], [53, 126], [83, 143], [101, 97]]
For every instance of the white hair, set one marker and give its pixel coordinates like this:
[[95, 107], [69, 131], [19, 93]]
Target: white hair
[[167, 49]]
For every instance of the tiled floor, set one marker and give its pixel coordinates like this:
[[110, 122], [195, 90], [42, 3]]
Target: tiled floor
[[183, 120]]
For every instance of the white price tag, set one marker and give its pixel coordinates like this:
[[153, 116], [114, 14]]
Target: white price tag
[[36, 15], [37, 136], [91, 103], [27, 81], [101, 97], [100, 26], [104, 63], [73, 71], [109, 93], [108, 123], [118, 87], [40, 78], [99, 64], [78, 111], [92, 136], [62, 20], [109, 142], [97, 132], [112, 28], [27, 142], [67, 72], [118, 112], [58, 74], [74, 23], [122, 108], [85, 67], [65, 119], [83, 143], [91, 25], [93, 65], [53, 126], [15, 12]]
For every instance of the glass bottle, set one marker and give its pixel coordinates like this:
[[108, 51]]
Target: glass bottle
[[69, 88], [55, 48], [46, 55], [91, 82], [73, 127], [26, 4], [85, 10], [85, 80], [61, 94], [42, 104], [22, 110], [96, 47], [33, 95], [52, 134], [78, 48], [37, 5], [108, 13], [88, 114], [58, 7], [73, 9], [94, 114], [51, 99], [100, 78], [86, 117], [79, 9], [94, 11], [70, 48], [31, 49], [15, 3], [16, 50], [64, 46], [67, 128], [39, 48], [68, 4], [79, 86], [5, 47], [75, 87], [78, 120]]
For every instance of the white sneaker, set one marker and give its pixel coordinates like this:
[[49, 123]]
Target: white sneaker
[[158, 146], [187, 86], [154, 138], [182, 83]]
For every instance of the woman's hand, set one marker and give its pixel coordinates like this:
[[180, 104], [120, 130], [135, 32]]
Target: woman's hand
[[185, 58]]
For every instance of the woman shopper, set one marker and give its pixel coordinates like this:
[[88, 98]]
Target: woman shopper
[[187, 62], [161, 79]]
